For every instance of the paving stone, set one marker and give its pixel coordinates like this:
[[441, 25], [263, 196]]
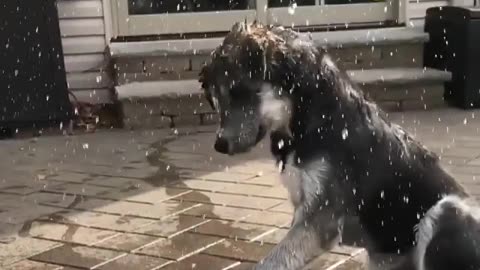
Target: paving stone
[[352, 265], [179, 246], [31, 265], [76, 256], [23, 212], [116, 182], [181, 156], [172, 225], [460, 151], [9, 232], [126, 242], [56, 200], [232, 230], [157, 211], [279, 192], [200, 262], [248, 190], [230, 200], [216, 176], [464, 169], [359, 261], [274, 237], [79, 189], [137, 173], [134, 261], [71, 177], [211, 211], [453, 161], [99, 220], [222, 187], [327, 261], [285, 207], [204, 166], [144, 193], [475, 162], [20, 189], [268, 218], [240, 250], [347, 250], [270, 179], [23, 248], [243, 266], [68, 233], [257, 167], [203, 185]]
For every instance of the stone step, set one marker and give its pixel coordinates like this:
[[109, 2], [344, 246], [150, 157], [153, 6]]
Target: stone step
[[330, 39], [156, 103], [183, 58]]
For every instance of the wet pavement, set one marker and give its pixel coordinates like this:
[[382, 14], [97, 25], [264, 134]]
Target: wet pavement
[[163, 199]]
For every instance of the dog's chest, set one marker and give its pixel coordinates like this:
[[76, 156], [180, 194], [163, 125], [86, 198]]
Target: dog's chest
[[304, 182]]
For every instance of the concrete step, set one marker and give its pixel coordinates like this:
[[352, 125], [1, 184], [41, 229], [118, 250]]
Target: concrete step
[[156, 103], [331, 39], [352, 49]]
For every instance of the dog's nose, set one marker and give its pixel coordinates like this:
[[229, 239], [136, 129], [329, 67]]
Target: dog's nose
[[222, 145]]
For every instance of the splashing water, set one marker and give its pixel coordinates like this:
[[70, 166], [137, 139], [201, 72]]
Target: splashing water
[[344, 133], [291, 8]]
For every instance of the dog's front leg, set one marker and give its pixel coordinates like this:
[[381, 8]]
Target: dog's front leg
[[304, 242]]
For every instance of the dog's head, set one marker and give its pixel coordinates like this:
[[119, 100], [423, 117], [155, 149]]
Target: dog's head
[[238, 84]]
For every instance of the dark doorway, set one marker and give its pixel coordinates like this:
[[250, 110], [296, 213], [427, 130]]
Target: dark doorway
[[33, 87]]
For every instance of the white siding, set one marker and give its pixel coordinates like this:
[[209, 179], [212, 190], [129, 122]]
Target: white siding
[[82, 28]]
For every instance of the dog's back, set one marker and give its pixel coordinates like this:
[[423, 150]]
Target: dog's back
[[449, 236]]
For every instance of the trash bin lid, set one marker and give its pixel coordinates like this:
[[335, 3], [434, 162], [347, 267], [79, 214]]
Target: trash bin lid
[[454, 11]]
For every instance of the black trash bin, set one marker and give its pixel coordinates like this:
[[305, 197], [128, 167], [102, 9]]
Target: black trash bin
[[454, 46]]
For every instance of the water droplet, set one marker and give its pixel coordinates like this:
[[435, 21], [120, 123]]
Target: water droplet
[[280, 144], [16, 72], [465, 121], [382, 194], [344, 133], [85, 146], [291, 8]]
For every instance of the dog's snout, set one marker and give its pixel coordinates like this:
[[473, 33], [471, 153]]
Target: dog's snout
[[223, 145]]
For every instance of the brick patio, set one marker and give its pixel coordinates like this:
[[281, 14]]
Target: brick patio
[[164, 199]]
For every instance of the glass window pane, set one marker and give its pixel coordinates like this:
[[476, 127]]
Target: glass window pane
[[286, 3], [343, 2], [136, 7]]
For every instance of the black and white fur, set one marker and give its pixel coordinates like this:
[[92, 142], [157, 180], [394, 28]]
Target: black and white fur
[[338, 153]]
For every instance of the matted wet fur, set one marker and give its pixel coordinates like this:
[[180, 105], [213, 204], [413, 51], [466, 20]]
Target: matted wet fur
[[338, 153]]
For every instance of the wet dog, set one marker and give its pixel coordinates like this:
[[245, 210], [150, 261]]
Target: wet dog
[[337, 152]]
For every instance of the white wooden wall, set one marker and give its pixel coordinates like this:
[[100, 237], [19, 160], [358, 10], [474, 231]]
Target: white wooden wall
[[82, 27]]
